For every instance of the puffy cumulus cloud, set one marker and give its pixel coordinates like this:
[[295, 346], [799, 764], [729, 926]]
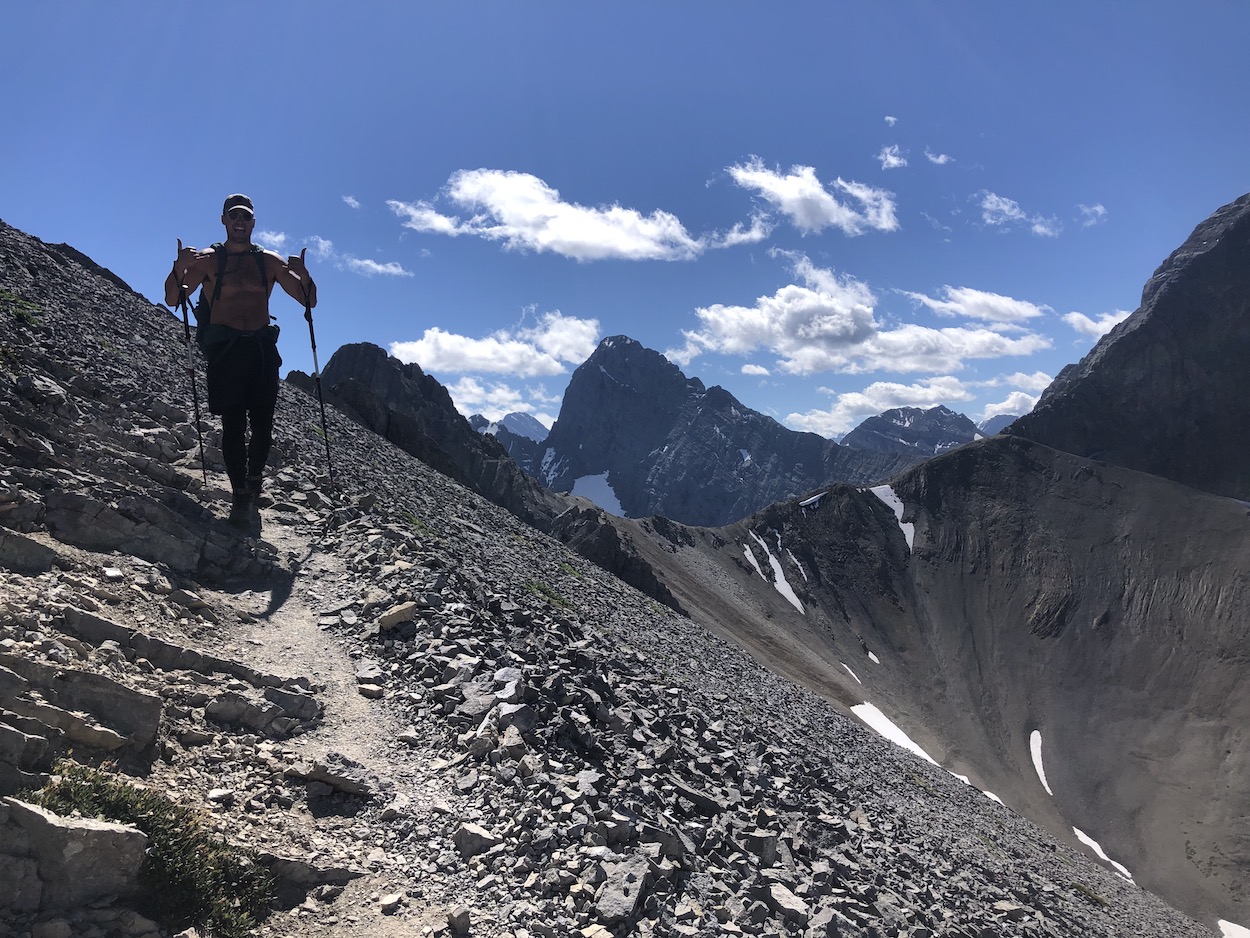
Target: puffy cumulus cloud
[[826, 322], [826, 316], [1096, 328], [1037, 382], [756, 370], [543, 349], [496, 400], [810, 206], [271, 240], [937, 159], [891, 119], [914, 348], [849, 410], [1000, 212], [982, 305], [1092, 214], [891, 157], [351, 201], [523, 213], [1016, 404]]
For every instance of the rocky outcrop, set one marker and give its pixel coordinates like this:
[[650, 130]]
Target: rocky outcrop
[[669, 446], [1164, 391], [412, 410], [914, 431]]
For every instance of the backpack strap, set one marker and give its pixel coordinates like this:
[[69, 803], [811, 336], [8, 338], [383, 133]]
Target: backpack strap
[[219, 248]]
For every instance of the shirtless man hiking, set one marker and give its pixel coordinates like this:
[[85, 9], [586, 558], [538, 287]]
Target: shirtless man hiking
[[236, 278]]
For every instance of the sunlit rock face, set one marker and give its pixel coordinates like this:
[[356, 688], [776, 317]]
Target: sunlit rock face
[[1165, 390]]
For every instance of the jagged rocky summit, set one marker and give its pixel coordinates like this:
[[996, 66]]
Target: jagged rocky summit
[[1164, 391], [519, 434], [914, 431], [667, 445]]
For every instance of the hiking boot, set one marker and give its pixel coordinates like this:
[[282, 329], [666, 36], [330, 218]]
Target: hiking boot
[[254, 485], [240, 509]]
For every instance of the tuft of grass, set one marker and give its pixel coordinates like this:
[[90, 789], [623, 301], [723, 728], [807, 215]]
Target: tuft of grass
[[549, 594], [24, 310], [1090, 895], [190, 875], [419, 525], [569, 569]]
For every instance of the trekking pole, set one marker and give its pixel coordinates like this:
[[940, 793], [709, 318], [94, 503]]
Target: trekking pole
[[312, 338], [186, 339]]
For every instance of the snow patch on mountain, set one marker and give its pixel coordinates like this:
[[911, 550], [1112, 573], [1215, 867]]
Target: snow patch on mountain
[[780, 583], [886, 494]]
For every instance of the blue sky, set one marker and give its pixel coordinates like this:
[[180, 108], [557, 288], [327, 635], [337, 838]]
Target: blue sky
[[829, 209]]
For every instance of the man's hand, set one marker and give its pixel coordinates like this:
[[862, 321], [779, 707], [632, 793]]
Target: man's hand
[[296, 263]]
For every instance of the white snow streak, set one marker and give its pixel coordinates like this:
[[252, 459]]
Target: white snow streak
[[886, 494], [879, 723], [1035, 747], [1097, 848], [599, 491], [780, 583], [795, 560], [872, 656], [746, 549], [1229, 930], [850, 672]]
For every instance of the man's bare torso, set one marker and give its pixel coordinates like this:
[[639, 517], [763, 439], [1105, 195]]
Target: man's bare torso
[[244, 300]]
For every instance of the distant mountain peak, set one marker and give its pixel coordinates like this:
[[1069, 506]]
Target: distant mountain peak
[[913, 430]]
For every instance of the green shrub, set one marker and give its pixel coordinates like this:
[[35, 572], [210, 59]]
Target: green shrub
[[190, 876], [24, 310]]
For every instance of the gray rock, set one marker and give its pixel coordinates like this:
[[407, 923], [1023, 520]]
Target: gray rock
[[80, 859]]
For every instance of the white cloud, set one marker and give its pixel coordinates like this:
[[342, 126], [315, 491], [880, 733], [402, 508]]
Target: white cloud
[[543, 349], [1096, 328], [271, 240], [495, 399], [1038, 381], [1092, 214], [1017, 403], [322, 248], [891, 157], [937, 159], [1001, 212], [525, 214], [1046, 227], [810, 206], [827, 323], [891, 119], [370, 268], [982, 305], [756, 370], [850, 409], [352, 201], [997, 210]]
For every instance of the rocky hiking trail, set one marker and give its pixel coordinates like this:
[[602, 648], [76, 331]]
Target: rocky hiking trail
[[425, 716]]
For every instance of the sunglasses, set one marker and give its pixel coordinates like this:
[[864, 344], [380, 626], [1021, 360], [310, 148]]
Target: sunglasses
[[236, 213]]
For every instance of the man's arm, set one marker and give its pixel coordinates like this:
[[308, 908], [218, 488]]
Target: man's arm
[[296, 280], [191, 269]]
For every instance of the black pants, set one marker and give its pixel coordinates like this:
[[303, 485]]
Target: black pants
[[243, 390]]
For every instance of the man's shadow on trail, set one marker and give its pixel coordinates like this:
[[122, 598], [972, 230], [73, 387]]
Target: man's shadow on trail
[[277, 579]]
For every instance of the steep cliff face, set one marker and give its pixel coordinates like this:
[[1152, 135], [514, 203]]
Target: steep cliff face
[[913, 430], [672, 447], [1164, 392], [411, 409]]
